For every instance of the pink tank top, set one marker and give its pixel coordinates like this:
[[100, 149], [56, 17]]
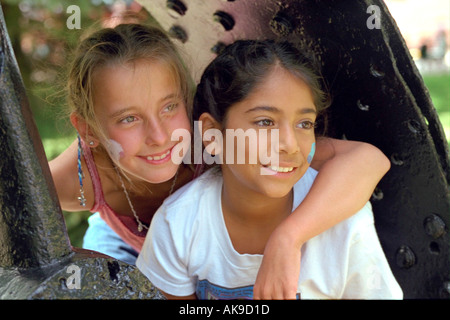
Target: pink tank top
[[126, 227]]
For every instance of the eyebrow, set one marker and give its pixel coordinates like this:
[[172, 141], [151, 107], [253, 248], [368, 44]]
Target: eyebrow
[[120, 112], [276, 110], [170, 96]]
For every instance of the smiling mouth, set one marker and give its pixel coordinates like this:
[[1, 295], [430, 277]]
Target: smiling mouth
[[280, 169], [160, 157], [277, 169]]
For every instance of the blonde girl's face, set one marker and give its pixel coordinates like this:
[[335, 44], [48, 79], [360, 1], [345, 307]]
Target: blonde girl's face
[[281, 102], [139, 105]]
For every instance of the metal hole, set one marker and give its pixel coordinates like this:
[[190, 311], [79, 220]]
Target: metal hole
[[434, 248], [176, 8], [218, 48], [178, 33], [281, 24], [224, 19]]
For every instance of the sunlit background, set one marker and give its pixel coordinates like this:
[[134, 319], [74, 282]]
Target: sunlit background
[[42, 43], [425, 28]]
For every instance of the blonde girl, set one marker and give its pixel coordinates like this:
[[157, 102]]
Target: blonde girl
[[128, 90]]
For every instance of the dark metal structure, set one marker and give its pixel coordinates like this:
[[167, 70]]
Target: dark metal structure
[[36, 258], [379, 97]]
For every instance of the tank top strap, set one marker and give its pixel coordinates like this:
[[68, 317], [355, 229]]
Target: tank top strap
[[99, 199]]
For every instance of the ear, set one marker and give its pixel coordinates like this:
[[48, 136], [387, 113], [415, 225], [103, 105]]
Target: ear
[[211, 132], [83, 130]]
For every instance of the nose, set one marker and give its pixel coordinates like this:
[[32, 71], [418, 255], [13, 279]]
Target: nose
[[287, 140], [156, 133]]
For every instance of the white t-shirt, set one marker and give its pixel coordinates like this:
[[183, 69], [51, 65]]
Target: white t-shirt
[[188, 250]]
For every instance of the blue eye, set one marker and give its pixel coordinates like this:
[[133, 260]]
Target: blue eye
[[170, 107], [128, 119]]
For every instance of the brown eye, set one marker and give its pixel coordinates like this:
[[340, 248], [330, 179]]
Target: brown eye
[[264, 123], [307, 125]]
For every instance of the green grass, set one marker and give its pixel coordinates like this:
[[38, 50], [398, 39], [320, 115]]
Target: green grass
[[439, 88]]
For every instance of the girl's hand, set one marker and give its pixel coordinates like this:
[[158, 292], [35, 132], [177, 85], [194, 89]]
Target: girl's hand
[[348, 174], [280, 269]]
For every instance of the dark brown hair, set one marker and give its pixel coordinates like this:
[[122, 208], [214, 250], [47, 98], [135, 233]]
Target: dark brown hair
[[231, 77]]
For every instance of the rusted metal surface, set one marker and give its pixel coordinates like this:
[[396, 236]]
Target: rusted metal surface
[[36, 258], [83, 275], [379, 97]]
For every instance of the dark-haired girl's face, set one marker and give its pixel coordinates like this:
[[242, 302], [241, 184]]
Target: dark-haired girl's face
[[284, 103]]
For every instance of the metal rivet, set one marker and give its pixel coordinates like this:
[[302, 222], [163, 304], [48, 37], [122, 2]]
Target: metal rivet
[[176, 8], [178, 33], [224, 19], [414, 126], [218, 48], [434, 226], [396, 159], [361, 106], [374, 71], [405, 257], [281, 24], [445, 290], [377, 194]]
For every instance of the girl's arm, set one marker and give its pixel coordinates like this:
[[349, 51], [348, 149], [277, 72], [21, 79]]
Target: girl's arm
[[348, 173]]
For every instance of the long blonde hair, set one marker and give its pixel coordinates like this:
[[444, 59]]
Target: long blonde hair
[[120, 45]]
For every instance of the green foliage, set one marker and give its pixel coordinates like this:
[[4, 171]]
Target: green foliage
[[439, 88], [42, 44]]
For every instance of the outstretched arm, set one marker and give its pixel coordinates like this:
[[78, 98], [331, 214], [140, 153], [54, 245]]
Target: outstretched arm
[[348, 173]]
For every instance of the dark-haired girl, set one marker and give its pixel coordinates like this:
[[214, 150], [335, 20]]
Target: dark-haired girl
[[208, 239]]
